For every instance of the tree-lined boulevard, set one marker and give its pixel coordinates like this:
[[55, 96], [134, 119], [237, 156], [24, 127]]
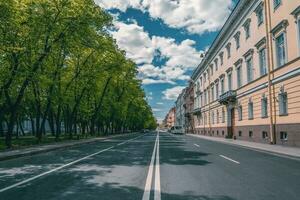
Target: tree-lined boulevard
[[59, 66]]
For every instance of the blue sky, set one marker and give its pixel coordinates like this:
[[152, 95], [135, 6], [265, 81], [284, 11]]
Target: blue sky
[[165, 38]]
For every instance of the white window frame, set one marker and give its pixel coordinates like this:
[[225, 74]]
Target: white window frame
[[250, 77], [240, 113], [261, 72], [239, 74], [282, 33], [250, 110], [282, 94], [264, 102]]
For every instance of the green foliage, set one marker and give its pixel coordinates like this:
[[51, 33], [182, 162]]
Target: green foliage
[[58, 64]]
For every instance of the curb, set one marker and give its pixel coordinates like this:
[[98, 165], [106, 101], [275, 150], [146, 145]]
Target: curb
[[252, 148], [53, 147]]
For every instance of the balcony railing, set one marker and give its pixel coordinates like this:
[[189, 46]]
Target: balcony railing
[[227, 97]]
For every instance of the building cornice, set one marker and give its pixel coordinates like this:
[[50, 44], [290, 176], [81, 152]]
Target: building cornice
[[242, 8]]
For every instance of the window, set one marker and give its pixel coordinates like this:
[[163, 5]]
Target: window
[[205, 97], [221, 58], [260, 14], [264, 134], [213, 117], [222, 86], [237, 40], [218, 117], [212, 92], [217, 132], [250, 134], [217, 90], [280, 50], [204, 77], [283, 106], [239, 76], [250, 110], [223, 133], [229, 76], [228, 46], [216, 64], [211, 69], [249, 70], [283, 135], [262, 62], [247, 28], [240, 113], [276, 3], [264, 107], [240, 133], [223, 115]]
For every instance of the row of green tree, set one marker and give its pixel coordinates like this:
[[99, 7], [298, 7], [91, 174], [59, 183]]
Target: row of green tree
[[59, 66]]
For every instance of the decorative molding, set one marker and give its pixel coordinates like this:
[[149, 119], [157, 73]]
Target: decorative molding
[[247, 22], [259, 7], [296, 12], [229, 70], [249, 53], [281, 25], [237, 34], [221, 76], [238, 62], [261, 43]]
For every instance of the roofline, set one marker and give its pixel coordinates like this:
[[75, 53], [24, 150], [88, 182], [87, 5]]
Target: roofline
[[221, 33]]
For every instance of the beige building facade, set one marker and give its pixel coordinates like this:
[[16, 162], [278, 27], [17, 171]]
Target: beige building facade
[[247, 86], [169, 120]]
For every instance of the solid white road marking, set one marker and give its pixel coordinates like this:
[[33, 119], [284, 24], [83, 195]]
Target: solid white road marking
[[196, 145], [157, 195], [147, 190], [230, 159], [59, 168]]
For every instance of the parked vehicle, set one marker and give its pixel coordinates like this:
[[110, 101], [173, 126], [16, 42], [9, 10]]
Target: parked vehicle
[[177, 130]]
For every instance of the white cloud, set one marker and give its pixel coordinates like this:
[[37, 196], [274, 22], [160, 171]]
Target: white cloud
[[195, 16], [160, 103], [142, 49], [172, 93], [156, 110], [135, 41], [148, 81]]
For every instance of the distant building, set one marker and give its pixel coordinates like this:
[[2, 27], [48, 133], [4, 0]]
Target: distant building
[[188, 108], [248, 84], [169, 120], [180, 110]]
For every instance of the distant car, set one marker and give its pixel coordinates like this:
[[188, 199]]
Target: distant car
[[177, 130]]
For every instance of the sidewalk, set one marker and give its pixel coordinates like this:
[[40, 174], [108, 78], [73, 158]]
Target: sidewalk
[[276, 149], [6, 155]]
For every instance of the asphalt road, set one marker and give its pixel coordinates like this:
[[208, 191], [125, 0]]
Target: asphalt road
[[151, 166]]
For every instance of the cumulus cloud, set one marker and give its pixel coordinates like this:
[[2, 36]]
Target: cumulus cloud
[[142, 49], [149, 81], [172, 93], [195, 16], [135, 41]]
